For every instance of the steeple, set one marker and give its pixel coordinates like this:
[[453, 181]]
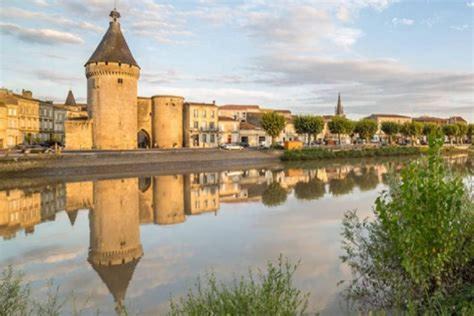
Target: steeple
[[113, 47], [70, 100], [339, 108]]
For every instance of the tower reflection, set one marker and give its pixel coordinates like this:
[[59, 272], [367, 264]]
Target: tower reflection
[[115, 246]]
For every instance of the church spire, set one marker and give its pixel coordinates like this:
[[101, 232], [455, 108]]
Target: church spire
[[339, 108], [70, 100]]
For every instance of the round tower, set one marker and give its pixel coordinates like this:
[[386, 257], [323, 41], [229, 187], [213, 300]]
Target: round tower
[[112, 83], [167, 124]]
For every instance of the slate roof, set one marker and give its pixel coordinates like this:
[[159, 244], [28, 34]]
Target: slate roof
[[113, 47], [70, 100]]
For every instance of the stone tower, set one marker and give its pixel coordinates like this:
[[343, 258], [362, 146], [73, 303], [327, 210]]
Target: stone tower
[[167, 123], [112, 82], [115, 247], [339, 108]]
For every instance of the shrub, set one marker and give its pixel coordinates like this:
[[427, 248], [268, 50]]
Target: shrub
[[270, 293], [320, 153], [417, 254]]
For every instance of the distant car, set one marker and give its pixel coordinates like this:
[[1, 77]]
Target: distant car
[[244, 145], [34, 149], [231, 147]]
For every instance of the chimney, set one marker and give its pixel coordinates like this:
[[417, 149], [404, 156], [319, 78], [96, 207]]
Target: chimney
[[27, 94]]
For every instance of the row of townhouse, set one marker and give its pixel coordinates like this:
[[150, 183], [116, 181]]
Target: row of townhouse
[[27, 120]]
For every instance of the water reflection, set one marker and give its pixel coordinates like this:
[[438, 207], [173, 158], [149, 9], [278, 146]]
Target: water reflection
[[117, 207]]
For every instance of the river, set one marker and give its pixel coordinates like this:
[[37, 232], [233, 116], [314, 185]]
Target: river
[[114, 243]]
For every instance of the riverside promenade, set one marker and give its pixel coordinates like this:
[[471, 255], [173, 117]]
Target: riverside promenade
[[133, 162]]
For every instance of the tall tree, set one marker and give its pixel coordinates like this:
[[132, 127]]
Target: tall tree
[[309, 125], [390, 129], [462, 131], [340, 125], [412, 130], [470, 132], [429, 128], [273, 123], [366, 129], [450, 130], [315, 125]]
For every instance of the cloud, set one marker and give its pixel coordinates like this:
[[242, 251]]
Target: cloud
[[377, 85], [459, 28], [56, 77], [470, 4], [40, 36], [402, 21], [17, 13]]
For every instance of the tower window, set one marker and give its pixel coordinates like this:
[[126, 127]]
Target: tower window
[[120, 80]]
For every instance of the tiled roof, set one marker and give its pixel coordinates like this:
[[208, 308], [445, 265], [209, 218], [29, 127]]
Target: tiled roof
[[226, 119], [239, 107], [248, 126]]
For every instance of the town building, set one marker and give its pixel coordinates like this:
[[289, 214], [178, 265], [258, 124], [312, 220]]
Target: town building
[[46, 117], [60, 115], [395, 118], [201, 129], [3, 124], [229, 130], [238, 112]]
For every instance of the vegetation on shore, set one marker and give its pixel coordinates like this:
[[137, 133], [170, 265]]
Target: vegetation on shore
[[270, 292], [322, 153], [417, 254]]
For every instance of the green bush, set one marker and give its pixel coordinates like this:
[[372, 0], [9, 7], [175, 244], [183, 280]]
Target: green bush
[[270, 293], [417, 254], [321, 153]]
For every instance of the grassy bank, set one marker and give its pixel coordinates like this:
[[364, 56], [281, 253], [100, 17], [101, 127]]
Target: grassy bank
[[321, 153]]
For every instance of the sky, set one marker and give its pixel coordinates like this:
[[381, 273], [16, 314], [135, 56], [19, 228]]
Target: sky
[[411, 57]]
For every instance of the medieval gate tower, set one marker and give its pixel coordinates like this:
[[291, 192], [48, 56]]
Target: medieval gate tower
[[112, 83]]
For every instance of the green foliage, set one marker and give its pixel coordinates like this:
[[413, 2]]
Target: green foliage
[[450, 130], [418, 252], [14, 297], [16, 300], [274, 195], [412, 129], [430, 128], [321, 153], [269, 293], [390, 129], [366, 128], [340, 125], [273, 123], [311, 190], [470, 131], [309, 125]]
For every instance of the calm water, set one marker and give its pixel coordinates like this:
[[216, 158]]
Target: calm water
[[136, 241]]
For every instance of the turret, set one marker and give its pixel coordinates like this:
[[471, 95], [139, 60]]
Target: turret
[[112, 83]]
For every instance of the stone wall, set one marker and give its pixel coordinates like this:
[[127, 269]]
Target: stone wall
[[78, 134]]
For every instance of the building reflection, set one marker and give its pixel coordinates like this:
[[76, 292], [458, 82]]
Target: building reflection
[[118, 207]]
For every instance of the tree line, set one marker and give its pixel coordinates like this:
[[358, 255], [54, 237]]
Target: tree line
[[311, 125]]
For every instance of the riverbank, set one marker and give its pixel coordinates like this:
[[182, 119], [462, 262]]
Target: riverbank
[[78, 164], [390, 151]]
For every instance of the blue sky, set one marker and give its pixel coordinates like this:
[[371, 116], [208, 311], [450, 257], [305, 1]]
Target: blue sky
[[409, 57]]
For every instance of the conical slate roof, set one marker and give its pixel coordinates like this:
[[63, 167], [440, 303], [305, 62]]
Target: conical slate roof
[[113, 47], [70, 100]]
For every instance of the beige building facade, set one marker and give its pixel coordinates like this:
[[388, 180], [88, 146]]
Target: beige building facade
[[201, 129]]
